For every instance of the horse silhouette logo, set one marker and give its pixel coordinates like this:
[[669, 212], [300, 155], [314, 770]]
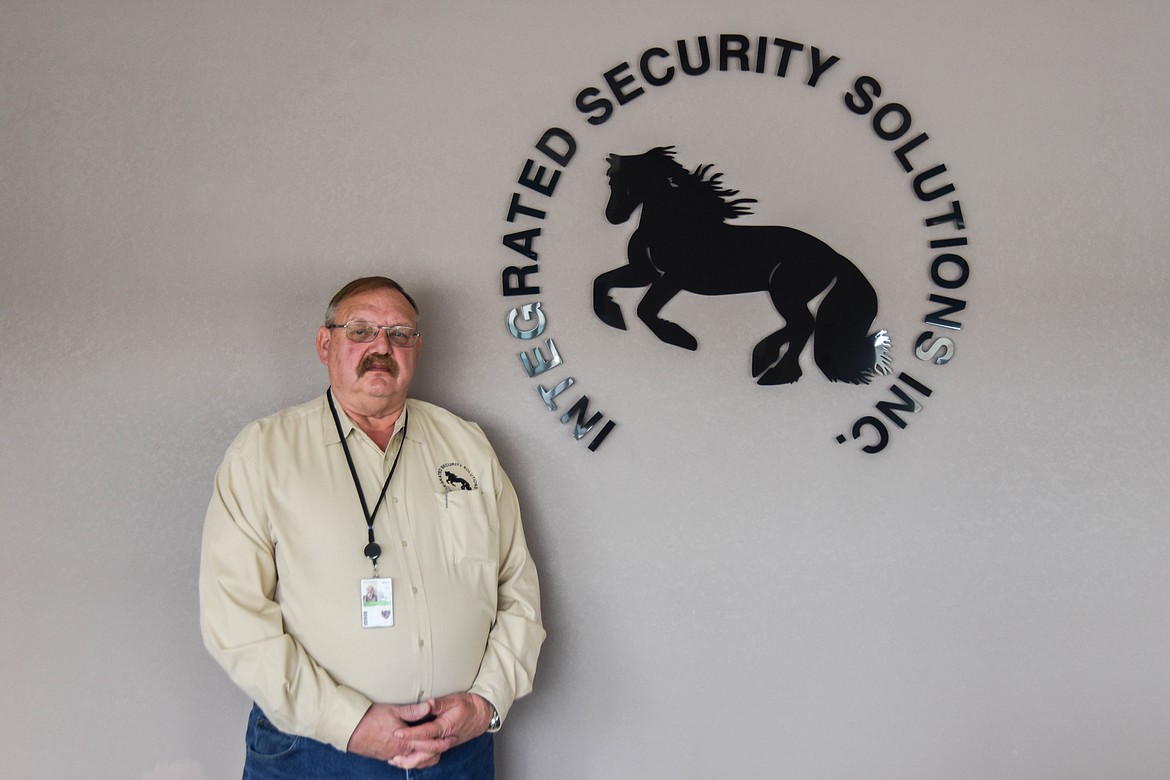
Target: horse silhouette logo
[[456, 481], [684, 242]]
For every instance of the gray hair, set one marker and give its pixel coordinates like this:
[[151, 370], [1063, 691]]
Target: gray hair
[[365, 284]]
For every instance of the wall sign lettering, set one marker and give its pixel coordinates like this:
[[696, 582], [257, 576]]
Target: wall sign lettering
[[686, 242]]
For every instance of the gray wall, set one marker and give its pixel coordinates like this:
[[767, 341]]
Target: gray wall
[[727, 589]]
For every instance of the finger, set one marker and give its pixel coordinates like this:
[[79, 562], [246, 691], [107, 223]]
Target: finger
[[439, 706], [431, 730], [413, 712], [417, 760], [436, 745], [429, 745]]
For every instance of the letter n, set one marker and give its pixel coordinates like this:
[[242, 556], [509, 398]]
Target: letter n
[[580, 427]]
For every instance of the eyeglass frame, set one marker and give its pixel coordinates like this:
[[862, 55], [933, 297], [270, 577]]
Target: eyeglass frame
[[411, 333]]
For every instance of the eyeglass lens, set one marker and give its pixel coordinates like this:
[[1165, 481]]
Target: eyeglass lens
[[364, 332]]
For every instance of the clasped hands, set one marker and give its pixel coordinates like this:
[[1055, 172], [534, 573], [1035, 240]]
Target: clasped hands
[[414, 736]]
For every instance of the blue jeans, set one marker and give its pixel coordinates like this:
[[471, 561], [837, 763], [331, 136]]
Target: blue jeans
[[275, 755]]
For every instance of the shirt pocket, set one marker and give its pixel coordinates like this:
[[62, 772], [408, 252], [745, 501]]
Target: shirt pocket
[[466, 527]]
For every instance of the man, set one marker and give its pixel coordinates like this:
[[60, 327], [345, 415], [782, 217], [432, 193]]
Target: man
[[360, 491]]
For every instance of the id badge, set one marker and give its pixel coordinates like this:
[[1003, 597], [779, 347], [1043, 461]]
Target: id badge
[[377, 603]]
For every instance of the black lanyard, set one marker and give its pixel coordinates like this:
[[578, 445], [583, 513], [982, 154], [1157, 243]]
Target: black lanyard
[[372, 550]]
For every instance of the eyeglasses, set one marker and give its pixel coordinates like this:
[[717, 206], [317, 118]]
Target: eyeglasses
[[364, 332]]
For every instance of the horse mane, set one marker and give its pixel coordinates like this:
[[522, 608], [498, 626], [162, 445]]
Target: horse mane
[[700, 194]]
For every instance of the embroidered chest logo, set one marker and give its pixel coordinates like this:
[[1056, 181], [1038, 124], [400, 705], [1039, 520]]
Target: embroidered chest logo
[[456, 476]]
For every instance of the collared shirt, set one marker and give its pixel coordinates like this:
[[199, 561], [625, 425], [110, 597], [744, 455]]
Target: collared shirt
[[282, 564]]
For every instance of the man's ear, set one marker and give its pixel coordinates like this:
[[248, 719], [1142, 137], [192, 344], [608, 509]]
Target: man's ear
[[324, 336]]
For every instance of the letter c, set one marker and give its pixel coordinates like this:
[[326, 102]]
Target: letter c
[[877, 425]]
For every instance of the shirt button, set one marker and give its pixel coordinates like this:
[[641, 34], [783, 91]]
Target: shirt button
[[421, 643], [413, 589], [404, 543]]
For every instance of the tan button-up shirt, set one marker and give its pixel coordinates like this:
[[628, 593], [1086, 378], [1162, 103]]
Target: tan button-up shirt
[[280, 579]]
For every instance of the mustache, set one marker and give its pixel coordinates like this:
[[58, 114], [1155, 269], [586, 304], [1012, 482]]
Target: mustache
[[378, 361]]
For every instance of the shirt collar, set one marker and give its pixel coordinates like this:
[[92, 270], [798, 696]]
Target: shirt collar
[[329, 429]]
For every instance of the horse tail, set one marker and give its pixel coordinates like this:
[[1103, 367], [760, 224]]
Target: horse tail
[[843, 347]]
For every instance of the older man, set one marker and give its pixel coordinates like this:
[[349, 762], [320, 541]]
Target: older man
[[365, 578]]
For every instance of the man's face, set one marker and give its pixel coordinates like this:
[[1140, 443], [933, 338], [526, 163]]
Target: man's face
[[370, 378]]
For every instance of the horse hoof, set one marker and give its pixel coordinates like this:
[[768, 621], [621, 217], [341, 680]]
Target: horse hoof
[[779, 376], [611, 314], [763, 359], [684, 340], [673, 333]]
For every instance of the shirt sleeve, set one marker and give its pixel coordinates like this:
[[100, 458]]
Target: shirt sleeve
[[241, 621], [509, 661]]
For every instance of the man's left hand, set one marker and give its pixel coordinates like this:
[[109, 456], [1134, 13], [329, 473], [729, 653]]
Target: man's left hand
[[458, 718]]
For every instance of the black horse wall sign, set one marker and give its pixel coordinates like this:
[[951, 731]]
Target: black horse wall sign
[[684, 242]]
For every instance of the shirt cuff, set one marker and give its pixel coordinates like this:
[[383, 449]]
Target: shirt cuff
[[496, 698], [341, 717]]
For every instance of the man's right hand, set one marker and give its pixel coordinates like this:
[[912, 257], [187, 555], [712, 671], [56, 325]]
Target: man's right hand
[[374, 735]]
